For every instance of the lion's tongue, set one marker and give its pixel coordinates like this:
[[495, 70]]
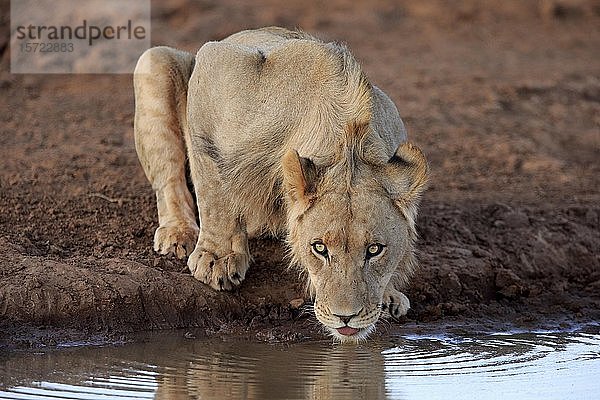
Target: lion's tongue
[[347, 331]]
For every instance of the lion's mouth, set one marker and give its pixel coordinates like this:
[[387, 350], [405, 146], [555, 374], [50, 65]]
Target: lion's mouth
[[348, 331], [350, 334]]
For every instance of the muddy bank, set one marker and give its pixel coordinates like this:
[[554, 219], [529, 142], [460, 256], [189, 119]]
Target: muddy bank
[[503, 99], [518, 267]]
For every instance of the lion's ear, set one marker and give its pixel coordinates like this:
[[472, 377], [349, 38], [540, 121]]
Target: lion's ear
[[409, 173], [300, 176]]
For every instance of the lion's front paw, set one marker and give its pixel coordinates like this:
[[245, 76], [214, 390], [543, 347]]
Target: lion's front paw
[[395, 302], [176, 239], [220, 273]]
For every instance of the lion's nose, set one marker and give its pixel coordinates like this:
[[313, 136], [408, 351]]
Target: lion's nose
[[346, 318]]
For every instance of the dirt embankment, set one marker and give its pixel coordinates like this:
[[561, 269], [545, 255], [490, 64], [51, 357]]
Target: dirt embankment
[[503, 98]]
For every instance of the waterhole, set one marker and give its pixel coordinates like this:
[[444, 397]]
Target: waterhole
[[167, 366]]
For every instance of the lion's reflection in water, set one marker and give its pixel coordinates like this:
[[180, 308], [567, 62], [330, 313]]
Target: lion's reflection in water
[[244, 370], [164, 365]]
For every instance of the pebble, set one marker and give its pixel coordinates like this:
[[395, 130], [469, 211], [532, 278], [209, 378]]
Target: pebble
[[296, 303], [516, 219]]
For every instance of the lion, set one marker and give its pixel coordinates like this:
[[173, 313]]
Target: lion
[[284, 135]]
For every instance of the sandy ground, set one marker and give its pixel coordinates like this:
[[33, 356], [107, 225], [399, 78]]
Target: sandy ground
[[503, 97]]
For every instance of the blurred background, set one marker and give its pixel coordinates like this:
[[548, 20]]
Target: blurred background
[[495, 92]]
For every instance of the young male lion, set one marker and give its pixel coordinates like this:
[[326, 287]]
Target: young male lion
[[283, 134]]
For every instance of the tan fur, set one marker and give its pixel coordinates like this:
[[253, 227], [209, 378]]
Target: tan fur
[[284, 134], [197, 372]]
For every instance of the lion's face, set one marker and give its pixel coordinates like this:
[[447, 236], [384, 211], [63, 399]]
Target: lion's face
[[351, 245], [353, 238]]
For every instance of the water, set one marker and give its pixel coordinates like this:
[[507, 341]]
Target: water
[[500, 366]]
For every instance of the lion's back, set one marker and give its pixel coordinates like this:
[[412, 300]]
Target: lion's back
[[261, 82], [268, 38]]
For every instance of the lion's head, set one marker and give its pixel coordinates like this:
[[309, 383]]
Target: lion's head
[[352, 227]]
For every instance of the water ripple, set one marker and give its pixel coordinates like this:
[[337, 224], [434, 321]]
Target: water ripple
[[521, 365]]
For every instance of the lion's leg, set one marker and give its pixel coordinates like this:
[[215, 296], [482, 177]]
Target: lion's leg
[[221, 256], [160, 83]]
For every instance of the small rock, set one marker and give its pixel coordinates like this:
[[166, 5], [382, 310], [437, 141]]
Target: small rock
[[296, 303], [512, 291], [189, 335], [461, 252], [508, 283], [452, 284], [516, 219], [562, 9], [591, 217], [481, 253]]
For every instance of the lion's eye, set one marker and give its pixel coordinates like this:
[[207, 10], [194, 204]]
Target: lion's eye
[[320, 248], [374, 250]]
